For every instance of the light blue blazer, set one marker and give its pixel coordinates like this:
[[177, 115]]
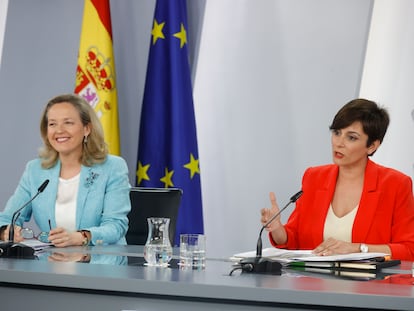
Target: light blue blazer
[[102, 204]]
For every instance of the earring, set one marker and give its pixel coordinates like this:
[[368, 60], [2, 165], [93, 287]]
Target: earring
[[85, 139]]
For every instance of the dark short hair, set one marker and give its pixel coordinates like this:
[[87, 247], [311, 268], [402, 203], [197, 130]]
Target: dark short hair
[[374, 119]]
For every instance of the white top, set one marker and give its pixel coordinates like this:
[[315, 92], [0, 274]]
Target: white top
[[339, 228], [65, 208]]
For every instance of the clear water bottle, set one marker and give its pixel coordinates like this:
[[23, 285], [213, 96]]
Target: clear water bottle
[[158, 249]]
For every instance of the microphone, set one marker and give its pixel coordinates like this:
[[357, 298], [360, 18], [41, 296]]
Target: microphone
[[18, 250], [259, 264]]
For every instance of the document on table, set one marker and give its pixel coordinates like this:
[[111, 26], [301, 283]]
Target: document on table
[[36, 244], [287, 256]]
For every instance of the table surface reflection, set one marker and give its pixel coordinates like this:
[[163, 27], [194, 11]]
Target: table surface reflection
[[122, 270]]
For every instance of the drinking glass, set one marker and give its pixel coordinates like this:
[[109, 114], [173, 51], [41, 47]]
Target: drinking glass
[[193, 251]]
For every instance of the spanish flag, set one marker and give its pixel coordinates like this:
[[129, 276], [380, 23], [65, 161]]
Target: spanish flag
[[95, 73]]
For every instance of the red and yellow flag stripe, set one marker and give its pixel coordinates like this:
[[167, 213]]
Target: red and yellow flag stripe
[[95, 73]]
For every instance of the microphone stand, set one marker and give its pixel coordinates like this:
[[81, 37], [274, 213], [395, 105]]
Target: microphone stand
[[261, 264], [16, 250], [10, 249]]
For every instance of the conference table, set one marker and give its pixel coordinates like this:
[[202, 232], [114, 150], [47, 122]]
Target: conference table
[[116, 278]]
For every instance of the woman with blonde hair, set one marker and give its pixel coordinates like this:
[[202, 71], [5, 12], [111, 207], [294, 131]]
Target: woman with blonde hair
[[87, 199]]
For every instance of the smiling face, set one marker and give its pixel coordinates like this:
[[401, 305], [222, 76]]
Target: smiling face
[[349, 146], [65, 131]]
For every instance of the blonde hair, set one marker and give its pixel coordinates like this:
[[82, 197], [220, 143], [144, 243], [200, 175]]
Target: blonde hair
[[94, 150]]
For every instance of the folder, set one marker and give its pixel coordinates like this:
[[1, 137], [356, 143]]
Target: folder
[[368, 265], [359, 275]]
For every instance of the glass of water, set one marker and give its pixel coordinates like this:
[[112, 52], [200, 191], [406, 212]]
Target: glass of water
[[193, 251]]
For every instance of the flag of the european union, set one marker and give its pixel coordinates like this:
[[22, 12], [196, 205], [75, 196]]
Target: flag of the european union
[[167, 149]]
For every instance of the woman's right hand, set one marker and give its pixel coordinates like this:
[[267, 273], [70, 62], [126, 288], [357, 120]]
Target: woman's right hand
[[268, 213], [17, 234], [275, 227]]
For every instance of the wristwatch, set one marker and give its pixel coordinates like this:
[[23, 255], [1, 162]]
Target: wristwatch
[[363, 248], [85, 237]]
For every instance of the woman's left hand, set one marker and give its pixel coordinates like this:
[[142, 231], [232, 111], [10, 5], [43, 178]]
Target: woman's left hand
[[332, 246], [59, 237]]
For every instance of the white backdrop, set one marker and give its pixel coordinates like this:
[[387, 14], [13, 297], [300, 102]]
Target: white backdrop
[[270, 76], [3, 14], [389, 79]]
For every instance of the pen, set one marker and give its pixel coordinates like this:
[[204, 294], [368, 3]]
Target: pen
[[50, 225]]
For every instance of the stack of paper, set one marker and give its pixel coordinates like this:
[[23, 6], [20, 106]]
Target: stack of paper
[[288, 256], [36, 244]]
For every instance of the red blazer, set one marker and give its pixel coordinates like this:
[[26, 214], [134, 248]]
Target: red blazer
[[385, 214]]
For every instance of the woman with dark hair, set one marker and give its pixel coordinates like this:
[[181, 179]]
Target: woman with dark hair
[[353, 205], [87, 198]]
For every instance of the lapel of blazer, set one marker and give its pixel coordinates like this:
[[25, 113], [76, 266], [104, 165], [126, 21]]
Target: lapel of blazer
[[322, 202], [86, 180], [51, 191], [367, 204]]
